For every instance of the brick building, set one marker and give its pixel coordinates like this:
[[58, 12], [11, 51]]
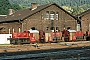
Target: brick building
[[85, 20], [49, 16]]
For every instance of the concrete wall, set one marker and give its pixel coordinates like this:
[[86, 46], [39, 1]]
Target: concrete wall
[[3, 38]]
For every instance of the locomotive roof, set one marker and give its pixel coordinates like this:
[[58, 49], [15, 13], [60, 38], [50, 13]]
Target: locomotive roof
[[33, 31]]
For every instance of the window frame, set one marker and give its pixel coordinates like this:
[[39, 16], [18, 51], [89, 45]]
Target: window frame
[[52, 15], [47, 15], [57, 15]]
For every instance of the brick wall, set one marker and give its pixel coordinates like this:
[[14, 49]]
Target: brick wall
[[9, 27], [85, 23], [39, 21]]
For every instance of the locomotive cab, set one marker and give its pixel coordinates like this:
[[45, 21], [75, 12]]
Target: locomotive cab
[[41, 36]]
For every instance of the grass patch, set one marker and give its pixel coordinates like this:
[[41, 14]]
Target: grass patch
[[5, 44]]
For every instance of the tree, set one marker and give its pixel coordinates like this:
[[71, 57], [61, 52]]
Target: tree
[[77, 10], [5, 5], [68, 9]]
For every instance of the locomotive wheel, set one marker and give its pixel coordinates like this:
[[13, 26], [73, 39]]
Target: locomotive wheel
[[66, 39], [13, 42], [42, 40], [19, 42]]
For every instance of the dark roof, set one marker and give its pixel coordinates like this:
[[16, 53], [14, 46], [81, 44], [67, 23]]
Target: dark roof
[[83, 13], [23, 14]]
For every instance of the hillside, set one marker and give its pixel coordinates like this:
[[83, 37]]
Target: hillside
[[5, 5], [72, 6], [60, 2]]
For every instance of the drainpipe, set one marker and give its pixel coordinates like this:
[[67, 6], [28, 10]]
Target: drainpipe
[[21, 24]]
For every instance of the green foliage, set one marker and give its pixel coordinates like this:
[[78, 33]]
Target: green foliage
[[75, 6], [77, 10], [5, 5]]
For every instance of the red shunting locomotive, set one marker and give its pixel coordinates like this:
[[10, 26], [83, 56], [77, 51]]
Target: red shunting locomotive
[[27, 37]]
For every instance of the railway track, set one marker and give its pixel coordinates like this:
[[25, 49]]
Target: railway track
[[66, 53]]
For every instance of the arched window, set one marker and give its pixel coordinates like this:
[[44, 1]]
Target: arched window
[[47, 28], [52, 28], [47, 15], [9, 30], [57, 16], [57, 28], [13, 30], [52, 15], [19, 29], [33, 28]]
